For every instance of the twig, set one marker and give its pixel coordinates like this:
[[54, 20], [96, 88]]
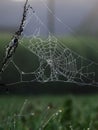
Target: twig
[[11, 48]]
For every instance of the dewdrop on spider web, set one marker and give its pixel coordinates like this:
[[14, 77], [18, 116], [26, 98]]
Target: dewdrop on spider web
[[60, 61], [56, 62]]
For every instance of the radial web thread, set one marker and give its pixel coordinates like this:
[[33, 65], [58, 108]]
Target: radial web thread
[[56, 62]]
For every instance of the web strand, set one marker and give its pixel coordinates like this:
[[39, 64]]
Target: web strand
[[57, 62]]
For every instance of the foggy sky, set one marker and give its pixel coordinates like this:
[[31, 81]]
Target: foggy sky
[[71, 12]]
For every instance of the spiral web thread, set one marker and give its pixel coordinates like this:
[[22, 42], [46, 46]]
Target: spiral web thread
[[57, 62]]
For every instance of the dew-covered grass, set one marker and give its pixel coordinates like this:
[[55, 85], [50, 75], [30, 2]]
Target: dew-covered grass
[[48, 112]]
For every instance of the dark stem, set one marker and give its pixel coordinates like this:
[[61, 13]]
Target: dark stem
[[11, 48], [23, 19]]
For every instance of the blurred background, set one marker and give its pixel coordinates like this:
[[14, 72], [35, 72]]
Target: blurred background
[[78, 15], [74, 22]]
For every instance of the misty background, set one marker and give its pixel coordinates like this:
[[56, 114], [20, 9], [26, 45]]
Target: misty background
[[79, 15]]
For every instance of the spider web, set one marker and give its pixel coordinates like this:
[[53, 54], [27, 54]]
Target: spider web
[[55, 61]]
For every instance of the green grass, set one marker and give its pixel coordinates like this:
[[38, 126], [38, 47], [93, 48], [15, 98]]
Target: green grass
[[48, 113]]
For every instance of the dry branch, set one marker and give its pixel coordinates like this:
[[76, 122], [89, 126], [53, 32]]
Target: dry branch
[[11, 48]]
